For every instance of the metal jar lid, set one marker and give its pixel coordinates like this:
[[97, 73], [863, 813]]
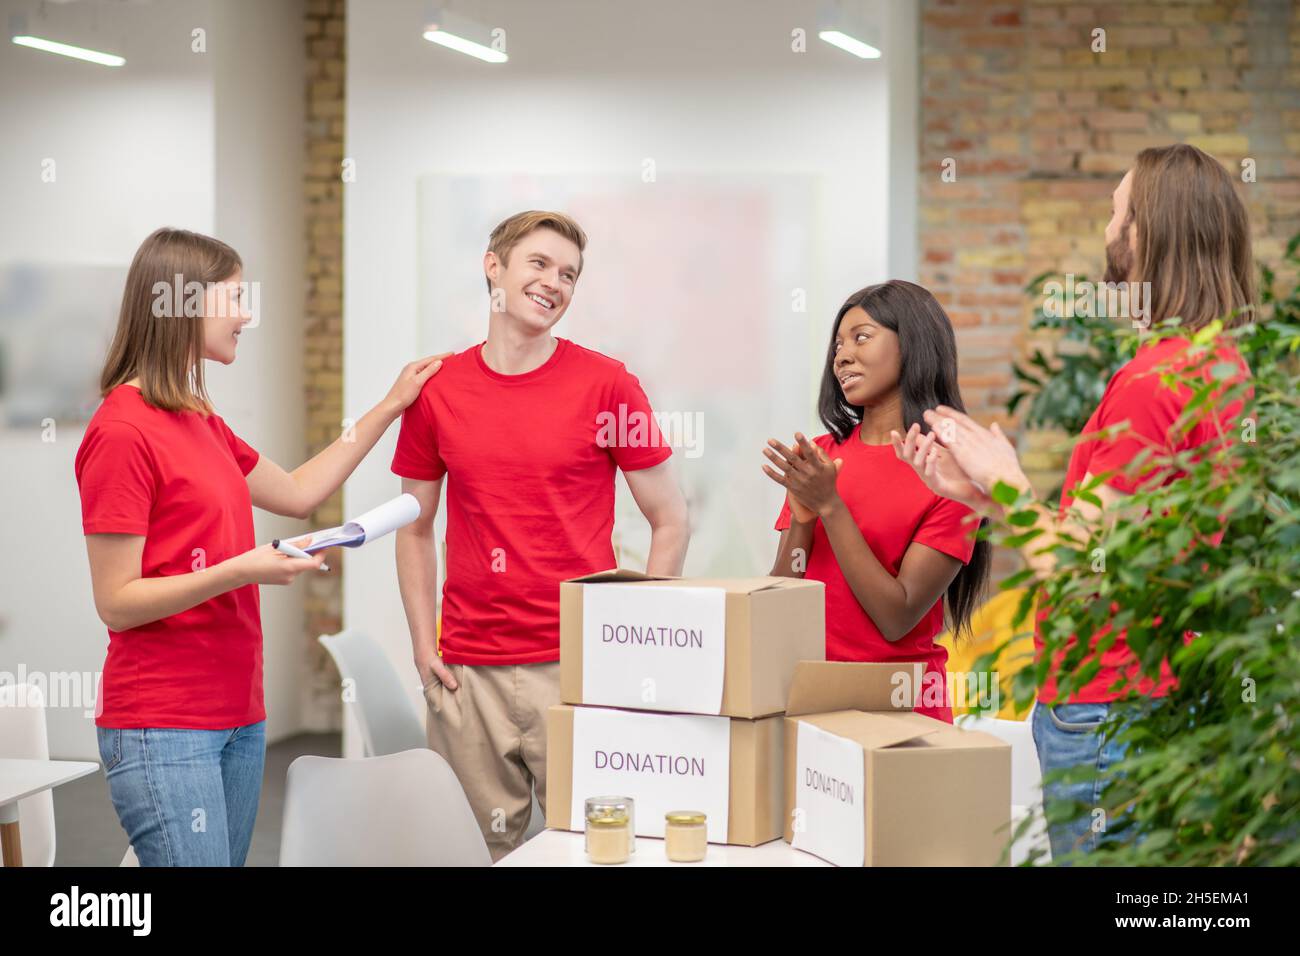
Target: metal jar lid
[[685, 817]]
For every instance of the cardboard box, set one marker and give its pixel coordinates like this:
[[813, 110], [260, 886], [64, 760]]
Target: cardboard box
[[926, 793], [770, 624], [753, 788]]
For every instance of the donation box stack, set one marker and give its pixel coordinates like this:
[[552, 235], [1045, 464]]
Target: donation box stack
[[715, 695], [674, 692]]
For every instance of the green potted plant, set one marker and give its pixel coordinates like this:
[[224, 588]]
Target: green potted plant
[[1057, 388]]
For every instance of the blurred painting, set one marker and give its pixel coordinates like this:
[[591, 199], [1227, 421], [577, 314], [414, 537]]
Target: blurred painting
[[702, 286], [56, 323]]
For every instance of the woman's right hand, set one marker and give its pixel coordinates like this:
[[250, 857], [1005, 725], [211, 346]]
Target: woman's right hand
[[265, 565], [409, 383], [800, 512]]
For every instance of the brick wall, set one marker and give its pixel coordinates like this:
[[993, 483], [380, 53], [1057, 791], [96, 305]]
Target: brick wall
[[1041, 129], [323, 327]]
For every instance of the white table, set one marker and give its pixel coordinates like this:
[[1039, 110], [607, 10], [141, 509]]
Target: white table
[[563, 848], [24, 778]]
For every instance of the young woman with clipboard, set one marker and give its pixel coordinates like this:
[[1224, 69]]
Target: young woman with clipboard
[[167, 492]]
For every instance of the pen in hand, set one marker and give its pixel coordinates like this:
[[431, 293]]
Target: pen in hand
[[284, 547]]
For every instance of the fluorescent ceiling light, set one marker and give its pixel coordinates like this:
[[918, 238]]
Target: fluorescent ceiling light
[[845, 42], [461, 45], [64, 49]]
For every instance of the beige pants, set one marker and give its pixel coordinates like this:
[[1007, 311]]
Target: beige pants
[[492, 730]]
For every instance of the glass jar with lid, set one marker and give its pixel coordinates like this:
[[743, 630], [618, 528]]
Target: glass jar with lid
[[607, 837], [686, 835], [609, 811]]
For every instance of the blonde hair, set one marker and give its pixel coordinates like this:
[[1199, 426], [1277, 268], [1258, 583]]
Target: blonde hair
[[165, 351], [510, 231], [1193, 237]]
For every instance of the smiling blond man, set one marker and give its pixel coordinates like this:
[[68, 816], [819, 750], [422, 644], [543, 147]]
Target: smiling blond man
[[513, 426]]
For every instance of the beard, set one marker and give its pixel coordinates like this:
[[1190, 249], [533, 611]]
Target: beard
[[1119, 260]]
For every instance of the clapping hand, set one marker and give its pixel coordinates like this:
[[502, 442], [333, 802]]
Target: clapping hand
[[808, 475]]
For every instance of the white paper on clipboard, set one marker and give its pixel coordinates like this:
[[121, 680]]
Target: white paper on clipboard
[[372, 525]]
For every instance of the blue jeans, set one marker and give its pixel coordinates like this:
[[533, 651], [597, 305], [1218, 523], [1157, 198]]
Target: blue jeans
[[186, 797], [1069, 735]]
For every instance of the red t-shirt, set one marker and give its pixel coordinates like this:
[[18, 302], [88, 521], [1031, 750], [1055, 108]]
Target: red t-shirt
[[178, 479], [1136, 395], [893, 509], [530, 461]]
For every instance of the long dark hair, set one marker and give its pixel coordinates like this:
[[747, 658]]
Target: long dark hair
[[927, 376]]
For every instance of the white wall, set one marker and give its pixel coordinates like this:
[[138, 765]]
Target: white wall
[[172, 138], [901, 25], [596, 87], [258, 62]]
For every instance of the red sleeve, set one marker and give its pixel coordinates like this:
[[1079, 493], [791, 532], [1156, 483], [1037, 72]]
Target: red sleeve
[[783, 519], [629, 429], [1150, 408], [116, 477], [245, 455], [946, 528], [417, 443]]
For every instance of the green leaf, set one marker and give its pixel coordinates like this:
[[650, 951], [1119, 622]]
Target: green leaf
[[1005, 494]]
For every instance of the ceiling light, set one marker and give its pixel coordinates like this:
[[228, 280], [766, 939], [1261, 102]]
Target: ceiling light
[[64, 49], [845, 42], [464, 36], [852, 27]]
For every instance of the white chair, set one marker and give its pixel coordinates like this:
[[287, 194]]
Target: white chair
[[404, 809], [1026, 776], [23, 736], [388, 724]]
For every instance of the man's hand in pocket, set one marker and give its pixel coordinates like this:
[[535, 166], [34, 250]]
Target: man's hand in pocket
[[435, 668]]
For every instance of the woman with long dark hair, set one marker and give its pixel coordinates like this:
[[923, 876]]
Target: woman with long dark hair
[[859, 519]]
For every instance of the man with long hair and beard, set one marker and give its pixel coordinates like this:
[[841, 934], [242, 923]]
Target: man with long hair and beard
[[1179, 234]]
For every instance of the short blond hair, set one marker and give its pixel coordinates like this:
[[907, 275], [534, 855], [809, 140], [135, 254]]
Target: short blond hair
[[510, 232]]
